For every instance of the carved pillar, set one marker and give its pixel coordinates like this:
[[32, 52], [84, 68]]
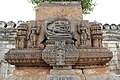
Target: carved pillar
[[21, 38], [96, 35]]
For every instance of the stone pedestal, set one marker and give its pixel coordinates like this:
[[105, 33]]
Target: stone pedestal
[[99, 74], [29, 73], [71, 74], [66, 75]]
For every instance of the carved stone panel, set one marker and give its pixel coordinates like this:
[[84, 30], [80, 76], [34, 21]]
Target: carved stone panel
[[58, 26], [60, 49], [32, 36], [84, 35]]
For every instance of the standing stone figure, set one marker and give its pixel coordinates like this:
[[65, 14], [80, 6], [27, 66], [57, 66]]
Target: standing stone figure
[[32, 36], [82, 30]]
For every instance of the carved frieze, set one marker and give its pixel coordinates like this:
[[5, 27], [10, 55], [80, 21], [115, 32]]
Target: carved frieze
[[61, 51], [25, 57], [60, 43], [93, 57]]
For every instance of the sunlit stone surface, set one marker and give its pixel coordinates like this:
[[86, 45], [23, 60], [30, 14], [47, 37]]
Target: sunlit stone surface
[[59, 45]]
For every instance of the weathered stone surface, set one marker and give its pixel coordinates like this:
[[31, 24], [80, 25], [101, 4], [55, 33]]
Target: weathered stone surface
[[25, 57], [70, 10], [31, 71], [59, 46], [92, 57], [26, 78], [99, 74], [96, 71], [102, 77], [74, 74]]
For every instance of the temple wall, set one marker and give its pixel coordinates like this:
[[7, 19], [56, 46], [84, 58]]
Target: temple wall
[[7, 42], [111, 40]]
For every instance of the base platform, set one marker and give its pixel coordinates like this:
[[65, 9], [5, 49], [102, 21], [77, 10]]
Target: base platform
[[72, 74]]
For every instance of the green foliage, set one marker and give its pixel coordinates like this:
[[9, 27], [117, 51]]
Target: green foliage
[[35, 2], [87, 5]]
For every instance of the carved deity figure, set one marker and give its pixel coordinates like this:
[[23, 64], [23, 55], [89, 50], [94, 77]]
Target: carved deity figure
[[58, 27], [82, 30], [60, 57], [84, 37], [61, 26], [32, 36]]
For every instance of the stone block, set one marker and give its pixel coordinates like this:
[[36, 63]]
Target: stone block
[[71, 74], [45, 10], [96, 71]]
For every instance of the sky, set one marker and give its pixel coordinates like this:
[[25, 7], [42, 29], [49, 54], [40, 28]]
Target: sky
[[106, 11]]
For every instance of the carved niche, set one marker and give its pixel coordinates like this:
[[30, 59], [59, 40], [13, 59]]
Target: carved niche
[[32, 37], [60, 27], [84, 36], [28, 35], [60, 49]]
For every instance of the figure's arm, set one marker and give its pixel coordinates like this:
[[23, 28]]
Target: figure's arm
[[78, 29], [28, 34], [88, 36], [38, 28]]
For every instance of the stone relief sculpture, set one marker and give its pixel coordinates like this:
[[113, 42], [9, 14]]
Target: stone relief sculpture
[[58, 27], [83, 35], [59, 34], [60, 57], [57, 47], [96, 35], [40, 35], [32, 36]]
